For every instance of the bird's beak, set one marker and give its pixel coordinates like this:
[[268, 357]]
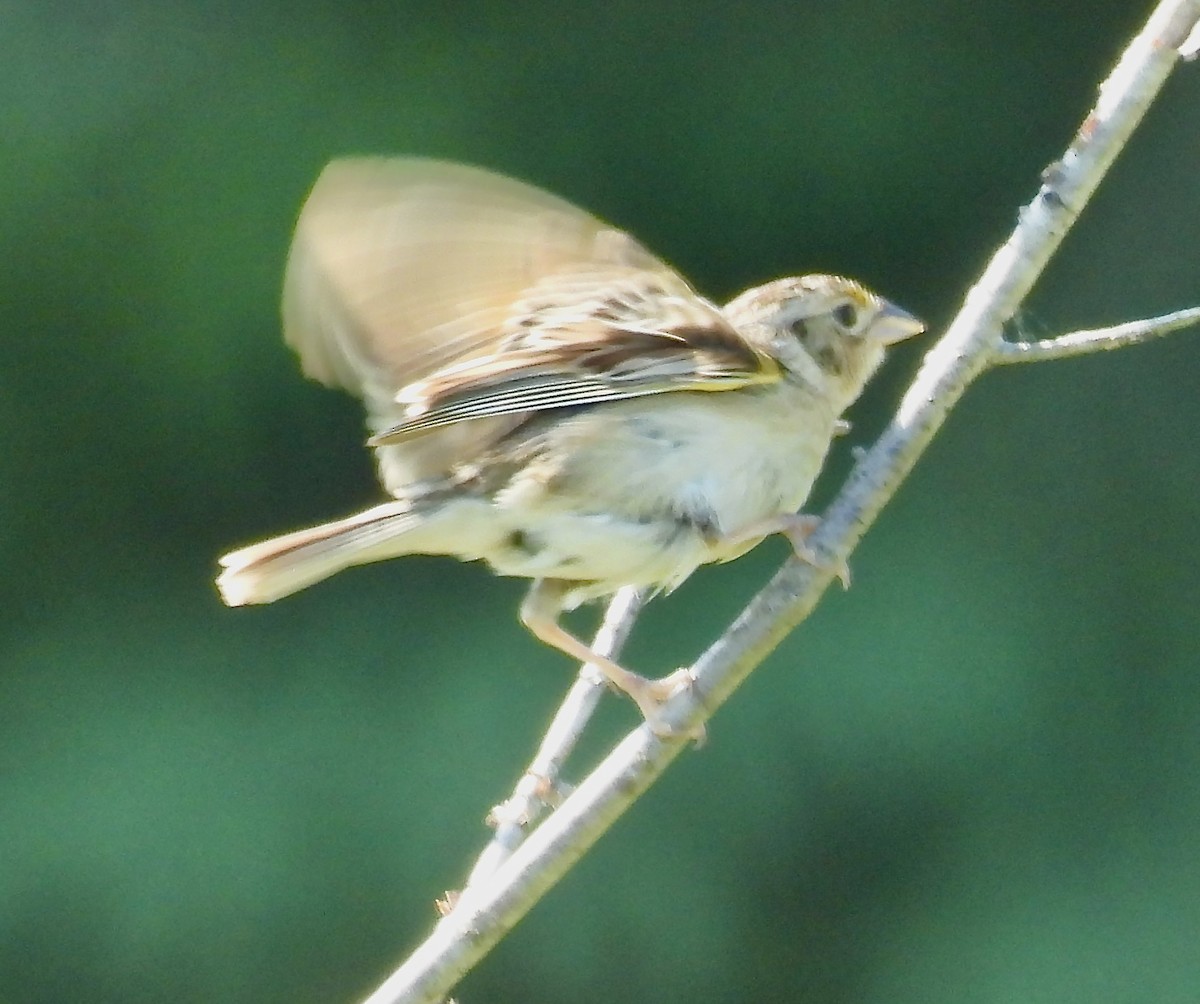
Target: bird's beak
[[892, 325]]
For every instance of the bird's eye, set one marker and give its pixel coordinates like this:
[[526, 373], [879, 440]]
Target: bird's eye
[[846, 314]]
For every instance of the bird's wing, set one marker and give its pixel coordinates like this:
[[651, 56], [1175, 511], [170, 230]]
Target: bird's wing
[[441, 293], [605, 336]]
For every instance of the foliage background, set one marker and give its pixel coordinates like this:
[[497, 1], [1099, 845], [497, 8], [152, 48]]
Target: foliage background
[[971, 778]]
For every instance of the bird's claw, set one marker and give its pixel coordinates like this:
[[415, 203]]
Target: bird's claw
[[651, 696], [798, 529]]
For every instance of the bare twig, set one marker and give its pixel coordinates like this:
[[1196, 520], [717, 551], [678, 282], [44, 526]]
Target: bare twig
[[1191, 45], [972, 343], [541, 781], [1079, 343]]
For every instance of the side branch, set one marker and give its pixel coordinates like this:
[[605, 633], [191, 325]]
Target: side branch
[[539, 786], [1079, 343]]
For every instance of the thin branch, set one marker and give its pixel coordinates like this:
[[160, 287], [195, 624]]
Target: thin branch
[[539, 786], [1191, 45], [970, 345], [1079, 343]]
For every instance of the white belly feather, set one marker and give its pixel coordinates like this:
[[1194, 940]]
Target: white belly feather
[[646, 500]]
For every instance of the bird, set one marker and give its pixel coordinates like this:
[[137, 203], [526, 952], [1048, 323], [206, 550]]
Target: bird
[[546, 395]]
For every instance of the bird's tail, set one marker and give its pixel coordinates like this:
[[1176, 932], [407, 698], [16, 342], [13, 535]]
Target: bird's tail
[[272, 569]]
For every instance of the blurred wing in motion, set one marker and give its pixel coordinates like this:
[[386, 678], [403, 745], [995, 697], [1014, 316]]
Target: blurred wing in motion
[[400, 266], [456, 300]]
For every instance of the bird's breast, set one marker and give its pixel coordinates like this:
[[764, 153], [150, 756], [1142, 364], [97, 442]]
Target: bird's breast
[[642, 492]]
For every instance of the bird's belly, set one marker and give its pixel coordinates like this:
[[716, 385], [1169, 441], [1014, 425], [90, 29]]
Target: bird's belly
[[724, 472], [644, 493], [605, 549]]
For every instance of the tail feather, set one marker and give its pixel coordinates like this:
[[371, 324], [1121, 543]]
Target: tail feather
[[269, 570]]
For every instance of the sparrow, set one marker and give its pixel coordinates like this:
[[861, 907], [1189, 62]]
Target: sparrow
[[546, 395]]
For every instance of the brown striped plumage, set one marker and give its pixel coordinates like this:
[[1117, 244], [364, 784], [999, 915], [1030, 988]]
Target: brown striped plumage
[[546, 395]]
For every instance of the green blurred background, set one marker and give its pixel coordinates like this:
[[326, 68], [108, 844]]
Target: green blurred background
[[974, 777]]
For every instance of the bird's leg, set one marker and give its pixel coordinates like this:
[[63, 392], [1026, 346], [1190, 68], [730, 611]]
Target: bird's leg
[[540, 612], [797, 527]]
